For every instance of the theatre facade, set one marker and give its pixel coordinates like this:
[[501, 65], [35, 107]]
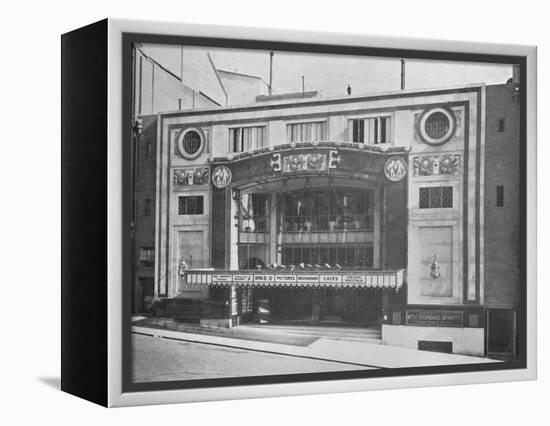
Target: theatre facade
[[361, 211]]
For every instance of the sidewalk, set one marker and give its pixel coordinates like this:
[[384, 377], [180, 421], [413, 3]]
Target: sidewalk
[[239, 333], [322, 348]]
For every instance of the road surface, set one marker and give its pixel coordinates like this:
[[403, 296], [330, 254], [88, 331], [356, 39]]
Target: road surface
[[156, 359]]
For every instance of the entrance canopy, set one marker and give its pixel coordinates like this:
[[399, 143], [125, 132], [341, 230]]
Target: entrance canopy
[[339, 160], [393, 279]]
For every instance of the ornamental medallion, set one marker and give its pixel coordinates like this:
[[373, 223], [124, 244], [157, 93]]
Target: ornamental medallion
[[221, 177], [395, 168]]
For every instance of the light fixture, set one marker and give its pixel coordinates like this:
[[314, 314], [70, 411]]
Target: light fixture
[[138, 126]]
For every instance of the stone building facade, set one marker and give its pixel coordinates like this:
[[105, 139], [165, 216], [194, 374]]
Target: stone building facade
[[379, 211]]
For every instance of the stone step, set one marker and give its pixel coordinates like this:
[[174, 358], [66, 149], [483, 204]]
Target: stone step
[[369, 341], [329, 333], [316, 329]]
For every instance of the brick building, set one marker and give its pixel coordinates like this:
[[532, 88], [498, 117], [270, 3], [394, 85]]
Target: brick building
[[143, 231], [502, 217]]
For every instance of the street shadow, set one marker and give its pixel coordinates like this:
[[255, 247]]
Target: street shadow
[[54, 382]]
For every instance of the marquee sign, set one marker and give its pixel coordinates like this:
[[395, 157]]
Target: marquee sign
[[355, 279]]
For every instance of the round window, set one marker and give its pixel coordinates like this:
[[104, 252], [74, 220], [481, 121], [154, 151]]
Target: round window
[[191, 143], [437, 126]]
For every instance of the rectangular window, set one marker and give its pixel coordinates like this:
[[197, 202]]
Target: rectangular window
[[147, 256], [191, 205], [254, 211], [501, 124], [436, 197], [147, 205], [306, 132], [371, 131], [242, 139], [347, 256], [338, 210], [500, 196], [358, 130]]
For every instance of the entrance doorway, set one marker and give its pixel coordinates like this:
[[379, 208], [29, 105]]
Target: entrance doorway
[[501, 333], [323, 306]]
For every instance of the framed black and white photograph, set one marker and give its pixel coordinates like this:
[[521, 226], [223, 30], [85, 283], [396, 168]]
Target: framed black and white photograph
[[289, 212]]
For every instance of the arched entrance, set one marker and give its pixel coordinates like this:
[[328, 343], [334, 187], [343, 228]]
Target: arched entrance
[[312, 224], [317, 230]]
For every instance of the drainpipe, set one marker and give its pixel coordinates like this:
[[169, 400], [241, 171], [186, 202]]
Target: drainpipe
[[270, 73], [402, 74]]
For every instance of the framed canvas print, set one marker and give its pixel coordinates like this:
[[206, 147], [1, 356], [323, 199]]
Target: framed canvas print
[[253, 212]]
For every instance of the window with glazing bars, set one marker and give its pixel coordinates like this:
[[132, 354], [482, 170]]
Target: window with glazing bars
[[191, 205], [500, 196], [147, 256], [147, 207], [306, 132], [254, 213], [328, 211], [242, 139], [501, 124], [436, 197], [372, 131], [348, 256]]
